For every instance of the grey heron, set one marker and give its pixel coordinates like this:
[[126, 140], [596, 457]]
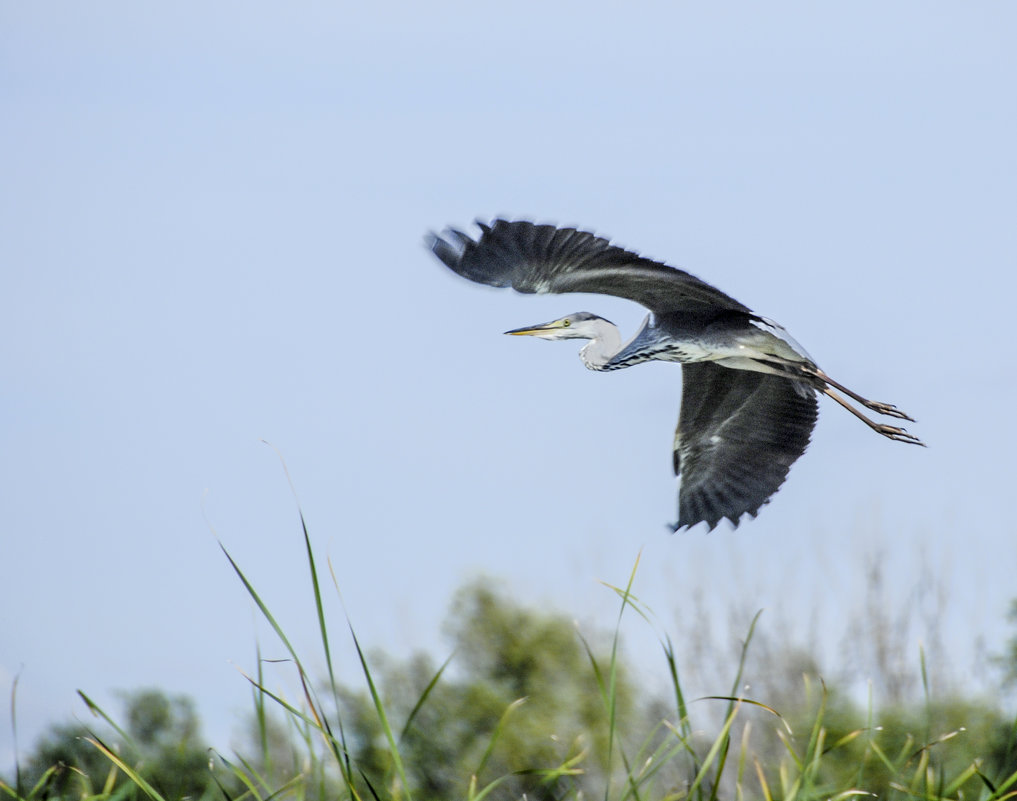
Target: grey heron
[[749, 399]]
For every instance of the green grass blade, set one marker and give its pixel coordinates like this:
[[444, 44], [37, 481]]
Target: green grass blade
[[243, 776], [627, 601], [721, 761], [261, 606], [14, 732], [737, 683], [750, 702], [473, 795], [684, 724], [960, 779], [743, 754], [316, 587], [345, 765], [382, 717], [320, 721], [719, 744], [496, 734], [260, 711], [423, 698], [127, 770], [310, 719], [96, 710]]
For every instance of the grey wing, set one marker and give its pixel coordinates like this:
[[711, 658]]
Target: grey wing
[[542, 258], [738, 434]]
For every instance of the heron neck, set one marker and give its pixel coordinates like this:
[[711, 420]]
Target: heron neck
[[597, 353], [607, 352]]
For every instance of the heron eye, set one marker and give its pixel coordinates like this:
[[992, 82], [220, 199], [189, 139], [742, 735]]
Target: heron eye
[[566, 323]]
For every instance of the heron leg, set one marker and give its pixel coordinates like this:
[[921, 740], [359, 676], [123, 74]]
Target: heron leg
[[825, 382], [891, 432], [877, 406]]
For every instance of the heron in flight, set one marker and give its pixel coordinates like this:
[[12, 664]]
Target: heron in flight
[[748, 389]]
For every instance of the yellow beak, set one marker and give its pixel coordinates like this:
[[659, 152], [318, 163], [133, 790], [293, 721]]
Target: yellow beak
[[536, 330]]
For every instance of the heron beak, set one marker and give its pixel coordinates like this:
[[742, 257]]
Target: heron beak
[[536, 330]]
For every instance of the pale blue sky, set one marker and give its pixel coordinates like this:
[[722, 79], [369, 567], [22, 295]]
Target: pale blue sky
[[211, 221]]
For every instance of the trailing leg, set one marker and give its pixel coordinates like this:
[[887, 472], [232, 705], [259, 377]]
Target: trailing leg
[[877, 406], [891, 432]]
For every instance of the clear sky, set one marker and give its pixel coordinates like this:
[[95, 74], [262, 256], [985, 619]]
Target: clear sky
[[211, 222]]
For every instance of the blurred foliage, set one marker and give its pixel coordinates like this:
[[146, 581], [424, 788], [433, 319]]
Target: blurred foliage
[[935, 741], [1008, 659], [161, 739], [528, 707], [521, 674]]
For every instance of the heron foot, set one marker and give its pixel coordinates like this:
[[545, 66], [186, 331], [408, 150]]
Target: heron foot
[[888, 409], [897, 434]]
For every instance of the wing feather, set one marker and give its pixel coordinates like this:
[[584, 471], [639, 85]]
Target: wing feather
[[544, 259], [738, 434]]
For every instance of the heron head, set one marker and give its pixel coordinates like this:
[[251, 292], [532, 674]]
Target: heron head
[[581, 325]]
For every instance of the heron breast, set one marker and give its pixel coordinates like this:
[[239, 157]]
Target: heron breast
[[685, 352]]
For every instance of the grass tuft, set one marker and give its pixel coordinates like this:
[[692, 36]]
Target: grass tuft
[[386, 743]]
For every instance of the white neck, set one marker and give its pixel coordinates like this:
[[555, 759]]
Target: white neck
[[598, 351]]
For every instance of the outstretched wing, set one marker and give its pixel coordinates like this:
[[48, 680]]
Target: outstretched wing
[[738, 434], [543, 258]]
